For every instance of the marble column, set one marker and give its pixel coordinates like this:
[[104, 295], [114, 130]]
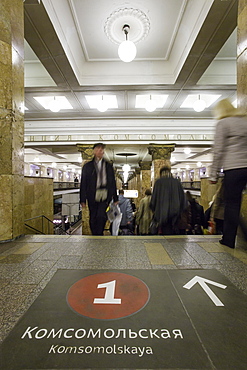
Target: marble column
[[161, 155], [119, 182], [132, 182], [11, 119], [197, 174], [43, 171], [55, 174], [187, 175], [145, 168], [242, 56], [138, 186], [242, 91], [87, 155]]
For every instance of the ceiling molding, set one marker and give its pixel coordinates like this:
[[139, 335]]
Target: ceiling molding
[[41, 36], [219, 24]]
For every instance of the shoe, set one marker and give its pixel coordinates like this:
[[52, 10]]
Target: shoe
[[222, 242]]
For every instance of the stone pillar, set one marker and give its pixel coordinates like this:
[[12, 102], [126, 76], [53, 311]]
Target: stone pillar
[[119, 180], [187, 175], [197, 174], [132, 182], [161, 155], [11, 119], [145, 177], [55, 174], [43, 171], [242, 91], [138, 186], [119, 183], [242, 56], [87, 155]]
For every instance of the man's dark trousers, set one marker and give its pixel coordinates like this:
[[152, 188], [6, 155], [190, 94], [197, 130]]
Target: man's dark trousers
[[234, 183], [97, 217]]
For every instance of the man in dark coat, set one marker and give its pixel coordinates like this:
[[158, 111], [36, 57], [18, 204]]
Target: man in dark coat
[[98, 188], [167, 202]]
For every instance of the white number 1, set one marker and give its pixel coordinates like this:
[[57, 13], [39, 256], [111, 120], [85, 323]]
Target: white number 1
[[109, 294]]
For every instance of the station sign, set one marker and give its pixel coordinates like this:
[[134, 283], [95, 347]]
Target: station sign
[[132, 319]]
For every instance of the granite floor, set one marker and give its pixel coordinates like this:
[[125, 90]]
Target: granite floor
[[29, 263]]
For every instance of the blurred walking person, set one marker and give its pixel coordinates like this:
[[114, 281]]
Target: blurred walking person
[[144, 214], [230, 154], [167, 202], [127, 213], [98, 188]]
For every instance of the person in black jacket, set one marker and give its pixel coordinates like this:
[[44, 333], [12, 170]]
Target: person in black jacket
[[196, 216], [98, 188], [167, 202]]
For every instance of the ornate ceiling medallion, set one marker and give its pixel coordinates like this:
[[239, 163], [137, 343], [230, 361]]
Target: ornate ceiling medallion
[[137, 20]]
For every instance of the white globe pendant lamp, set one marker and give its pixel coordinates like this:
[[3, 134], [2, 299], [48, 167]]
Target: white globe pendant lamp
[[102, 106], [127, 49], [199, 105], [54, 105], [150, 105]]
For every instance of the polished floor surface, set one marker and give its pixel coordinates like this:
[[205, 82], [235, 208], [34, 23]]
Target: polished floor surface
[[29, 263]]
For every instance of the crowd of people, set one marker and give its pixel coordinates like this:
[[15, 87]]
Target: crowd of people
[[168, 210], [168, 207]]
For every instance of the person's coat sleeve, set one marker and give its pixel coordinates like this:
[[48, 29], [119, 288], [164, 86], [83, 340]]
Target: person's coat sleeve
[[112, 189], [139, 213], [83, 186], [218, 150]]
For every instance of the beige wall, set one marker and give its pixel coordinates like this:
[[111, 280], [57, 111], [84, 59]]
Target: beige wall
[[38, 200]]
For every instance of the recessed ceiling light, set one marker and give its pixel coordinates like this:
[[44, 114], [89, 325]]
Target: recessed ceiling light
[[159, 100], [46, 101], [209, 99], [95, 100], [187, 150], [199, 105]]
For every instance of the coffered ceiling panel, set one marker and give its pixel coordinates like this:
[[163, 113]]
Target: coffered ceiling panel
[[184, 47]]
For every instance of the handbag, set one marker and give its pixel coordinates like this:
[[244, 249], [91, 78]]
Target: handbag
[[154, 227]]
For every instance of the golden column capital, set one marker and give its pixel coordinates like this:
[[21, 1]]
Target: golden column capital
[[86, 151], [161, 151]]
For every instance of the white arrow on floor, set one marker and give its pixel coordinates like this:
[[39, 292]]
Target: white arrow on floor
[[210, 293]]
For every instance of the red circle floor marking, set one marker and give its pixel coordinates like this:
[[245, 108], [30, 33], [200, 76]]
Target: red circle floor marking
[[129, 293]]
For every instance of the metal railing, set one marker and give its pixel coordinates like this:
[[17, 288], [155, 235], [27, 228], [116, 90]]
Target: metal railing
[[45, 224], [65, 185], [191, 185]]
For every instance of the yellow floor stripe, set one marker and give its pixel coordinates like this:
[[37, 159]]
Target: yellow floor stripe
[[212, 247], [28, 248], [241, 255], [219, 248], [157, 254]]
